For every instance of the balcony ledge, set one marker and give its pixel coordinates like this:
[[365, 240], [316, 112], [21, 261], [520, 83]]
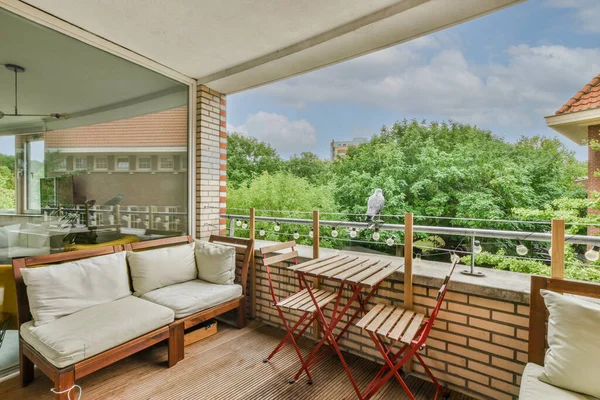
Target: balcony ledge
[[496, 284]]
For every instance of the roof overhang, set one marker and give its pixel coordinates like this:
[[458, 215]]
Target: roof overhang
[[574, 125], [239, 44]]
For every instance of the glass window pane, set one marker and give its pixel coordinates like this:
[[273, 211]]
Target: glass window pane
[[123, 163], [166, 163]]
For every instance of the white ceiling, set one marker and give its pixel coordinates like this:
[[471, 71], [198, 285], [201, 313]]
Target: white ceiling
[[64, 75], [234, 45]]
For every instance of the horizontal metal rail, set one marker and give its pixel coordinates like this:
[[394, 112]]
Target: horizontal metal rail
[[439, 230]]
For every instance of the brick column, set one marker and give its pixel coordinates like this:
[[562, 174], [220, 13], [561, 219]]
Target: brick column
[[211, 158], [593, 182]]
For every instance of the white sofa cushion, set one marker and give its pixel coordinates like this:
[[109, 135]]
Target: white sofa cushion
[[188, 298], [153, 269], [215, 262], [9, 235], [534, 389], [59, 290], [571, 361], [88, 332]]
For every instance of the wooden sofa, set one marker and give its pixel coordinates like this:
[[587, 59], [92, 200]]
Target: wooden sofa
[[65, 377], [531, 386], [244, 250]]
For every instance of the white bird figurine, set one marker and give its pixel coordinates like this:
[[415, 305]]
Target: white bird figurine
[[375, 206]]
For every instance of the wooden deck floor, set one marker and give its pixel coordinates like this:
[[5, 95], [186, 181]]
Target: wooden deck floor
[[226, 366]]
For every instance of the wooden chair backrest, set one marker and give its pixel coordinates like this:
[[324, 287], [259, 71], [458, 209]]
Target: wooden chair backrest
[[23, 310], [292, 254], [538, 313], [243, 247]]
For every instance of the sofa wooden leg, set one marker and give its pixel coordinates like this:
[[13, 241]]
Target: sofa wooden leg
[[26, 368], [62, 383], [176, 350], [242, 320]]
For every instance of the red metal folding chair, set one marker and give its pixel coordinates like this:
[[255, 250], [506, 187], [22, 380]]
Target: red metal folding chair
[[300, 301], [388, 326]]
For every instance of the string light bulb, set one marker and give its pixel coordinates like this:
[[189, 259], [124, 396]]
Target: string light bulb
[[592, 254], [238, 222], [550, 251], [244, 225], [353, 233], [454, 257], [522, 249], [417, 258], [390, 241], [376, 234], [277, 227], [311, 234], [261, 232], [477, 247], [334, 232], [296, 235]]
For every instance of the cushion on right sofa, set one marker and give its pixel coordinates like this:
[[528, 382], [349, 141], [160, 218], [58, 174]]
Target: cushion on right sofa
[[153, 269], [215, 262], [59, 290]]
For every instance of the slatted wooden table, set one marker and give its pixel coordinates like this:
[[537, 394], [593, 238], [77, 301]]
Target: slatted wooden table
[[353, 272]]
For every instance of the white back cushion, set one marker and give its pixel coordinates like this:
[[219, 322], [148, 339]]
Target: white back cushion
[[153, 269], [573, 358], [63, 289], [9, 236], [215, 262]]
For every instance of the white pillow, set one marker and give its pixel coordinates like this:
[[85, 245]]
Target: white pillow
[[573, 359], [59, 290], [215, 262], [153, 269]]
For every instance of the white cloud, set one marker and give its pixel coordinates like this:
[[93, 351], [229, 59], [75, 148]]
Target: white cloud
[[285, 135], [532, 83], [587, 12]]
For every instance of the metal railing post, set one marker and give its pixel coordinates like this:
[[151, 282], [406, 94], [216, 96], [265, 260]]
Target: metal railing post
[[231, 227], [316, 283], [471, 271]]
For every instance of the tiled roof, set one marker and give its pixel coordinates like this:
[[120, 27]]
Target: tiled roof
[[586, 99], [165, 128]]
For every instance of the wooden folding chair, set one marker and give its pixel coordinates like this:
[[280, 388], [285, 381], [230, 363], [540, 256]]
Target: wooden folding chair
[[299, 301], [407, 328]]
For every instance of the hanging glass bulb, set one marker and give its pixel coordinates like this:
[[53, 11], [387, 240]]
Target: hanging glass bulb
[[521, 249], [261, 232], [390, 241], [418, 258], [334, 232], [277, 227], [244, 225], [592, 254], [477, 247], [296, 235], [238, 222], [376, 234], [550, 251], [138, 220], [454, 257], [353, 233], [311, 233]]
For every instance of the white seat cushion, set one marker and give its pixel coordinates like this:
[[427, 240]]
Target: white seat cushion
[[91, 331], [534, 389], [190, 297]]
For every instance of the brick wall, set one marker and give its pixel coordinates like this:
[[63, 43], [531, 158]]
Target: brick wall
[[593, 182], [211, 162], [478, 345]]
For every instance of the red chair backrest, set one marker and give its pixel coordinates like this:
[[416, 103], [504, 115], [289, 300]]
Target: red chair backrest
[[283, 257]]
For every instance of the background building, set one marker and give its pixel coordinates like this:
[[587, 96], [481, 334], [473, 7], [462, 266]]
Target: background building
[[339, 148]]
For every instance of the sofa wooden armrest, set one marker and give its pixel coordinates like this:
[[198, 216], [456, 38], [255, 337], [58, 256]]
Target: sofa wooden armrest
[[64, 378]]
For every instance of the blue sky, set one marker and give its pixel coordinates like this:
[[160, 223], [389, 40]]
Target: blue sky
[[502, 72]]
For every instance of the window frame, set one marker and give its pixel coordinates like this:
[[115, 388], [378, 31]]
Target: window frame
[[117, 168], [96, 167]]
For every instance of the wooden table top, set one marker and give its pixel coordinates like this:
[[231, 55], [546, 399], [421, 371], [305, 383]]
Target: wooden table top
[[346, 268]]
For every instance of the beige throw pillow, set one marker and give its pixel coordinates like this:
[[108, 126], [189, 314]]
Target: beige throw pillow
[[59, 290], [573, 358], [215, 262], [153, 269]]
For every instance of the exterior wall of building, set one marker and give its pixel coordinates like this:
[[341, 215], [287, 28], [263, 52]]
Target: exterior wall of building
[[593, 182], [478, 344], [211, 162], [339, 148]]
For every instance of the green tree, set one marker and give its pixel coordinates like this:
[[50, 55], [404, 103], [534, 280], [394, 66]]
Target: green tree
[[248, 157], [308, 165], [7, 188]]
